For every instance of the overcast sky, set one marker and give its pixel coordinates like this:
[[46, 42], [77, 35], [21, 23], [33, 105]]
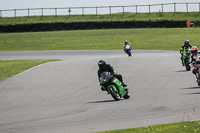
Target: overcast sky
[[21, 4]]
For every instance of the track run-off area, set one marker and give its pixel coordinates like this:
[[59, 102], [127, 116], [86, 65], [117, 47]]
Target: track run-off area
[[65, 96]]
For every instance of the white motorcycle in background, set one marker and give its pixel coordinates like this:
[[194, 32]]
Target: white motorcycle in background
[[127, 49]]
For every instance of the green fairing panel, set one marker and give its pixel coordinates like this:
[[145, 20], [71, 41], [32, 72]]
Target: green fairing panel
[[119, 86], [186, 55], [112, 87]]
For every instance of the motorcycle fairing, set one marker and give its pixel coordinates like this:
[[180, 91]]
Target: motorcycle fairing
[[118, 84]]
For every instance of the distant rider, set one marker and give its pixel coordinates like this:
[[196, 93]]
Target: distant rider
[[103, 66], [186, 45], [126, 43], [193, 55]]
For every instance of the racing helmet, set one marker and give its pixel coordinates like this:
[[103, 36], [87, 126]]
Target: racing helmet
[[186, 42], [198, 60], [102, 64], [194, 50], [126, 42]]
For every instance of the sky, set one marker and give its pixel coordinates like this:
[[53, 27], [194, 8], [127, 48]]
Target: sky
[[23, 4], [28, 4]]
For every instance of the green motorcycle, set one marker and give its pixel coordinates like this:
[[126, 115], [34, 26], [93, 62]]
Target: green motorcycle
[[186, 58], [113, 86]]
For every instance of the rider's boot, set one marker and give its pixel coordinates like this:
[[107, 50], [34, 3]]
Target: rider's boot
[[124, 84], [182, 61], [183, 64]]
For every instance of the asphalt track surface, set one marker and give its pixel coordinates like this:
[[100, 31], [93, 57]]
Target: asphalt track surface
[[65, 96]]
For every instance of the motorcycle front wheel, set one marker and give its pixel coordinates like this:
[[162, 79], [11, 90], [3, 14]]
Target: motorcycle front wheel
[[114, 94], [187, 67], [129, 53], [198, 81]]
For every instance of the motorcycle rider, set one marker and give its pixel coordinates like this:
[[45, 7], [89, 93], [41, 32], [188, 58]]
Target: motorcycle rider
[[195, 71], [126, 43], [193, 55], [186, 45], [103, 66]]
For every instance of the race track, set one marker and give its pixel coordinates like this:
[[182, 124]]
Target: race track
[[65, 96]]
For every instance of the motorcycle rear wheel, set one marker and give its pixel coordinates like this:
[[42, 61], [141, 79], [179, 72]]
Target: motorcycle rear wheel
[[127, 96]]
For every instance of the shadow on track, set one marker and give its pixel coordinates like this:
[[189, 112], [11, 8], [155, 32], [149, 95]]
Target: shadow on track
[[192, 88], [182, 71], [103, 101], [193, 93], [197, 87]]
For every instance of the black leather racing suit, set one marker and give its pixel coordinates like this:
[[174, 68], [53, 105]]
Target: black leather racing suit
[[109, 68]]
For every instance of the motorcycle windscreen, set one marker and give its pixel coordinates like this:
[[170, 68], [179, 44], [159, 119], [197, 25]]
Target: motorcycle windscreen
[[104, 78], [187, 52]]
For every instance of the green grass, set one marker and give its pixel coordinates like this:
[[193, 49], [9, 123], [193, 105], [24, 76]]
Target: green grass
[[180, 127], [193, 16], [146, 38], [8, 68]]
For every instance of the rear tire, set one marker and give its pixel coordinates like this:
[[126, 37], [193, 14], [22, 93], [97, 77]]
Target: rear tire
[[114, 94], [127, 96]]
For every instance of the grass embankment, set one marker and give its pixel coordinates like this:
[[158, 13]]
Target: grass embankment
[[192, 16], [148, 38], [180, 127], [9, 68]]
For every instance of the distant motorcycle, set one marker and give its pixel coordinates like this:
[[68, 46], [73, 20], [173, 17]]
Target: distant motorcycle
[[127, 50], [198, 78], [113, 86], [186, 59]]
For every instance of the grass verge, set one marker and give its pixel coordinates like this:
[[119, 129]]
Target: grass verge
[[8, 68], [192, 16], [104, 39], [180, 127]]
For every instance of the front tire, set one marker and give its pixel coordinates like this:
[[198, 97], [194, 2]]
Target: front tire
[[129, 52], [198, 84], [114, 94], [198, 81], [187, 67]]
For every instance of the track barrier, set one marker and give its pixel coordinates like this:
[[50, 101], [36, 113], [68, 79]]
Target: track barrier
[[96, 25]]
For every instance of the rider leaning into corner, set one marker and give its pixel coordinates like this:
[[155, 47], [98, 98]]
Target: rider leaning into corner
[[193, 56], [186, 45], [126, 43], [103, 66], [196, 66], [195, 71]]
